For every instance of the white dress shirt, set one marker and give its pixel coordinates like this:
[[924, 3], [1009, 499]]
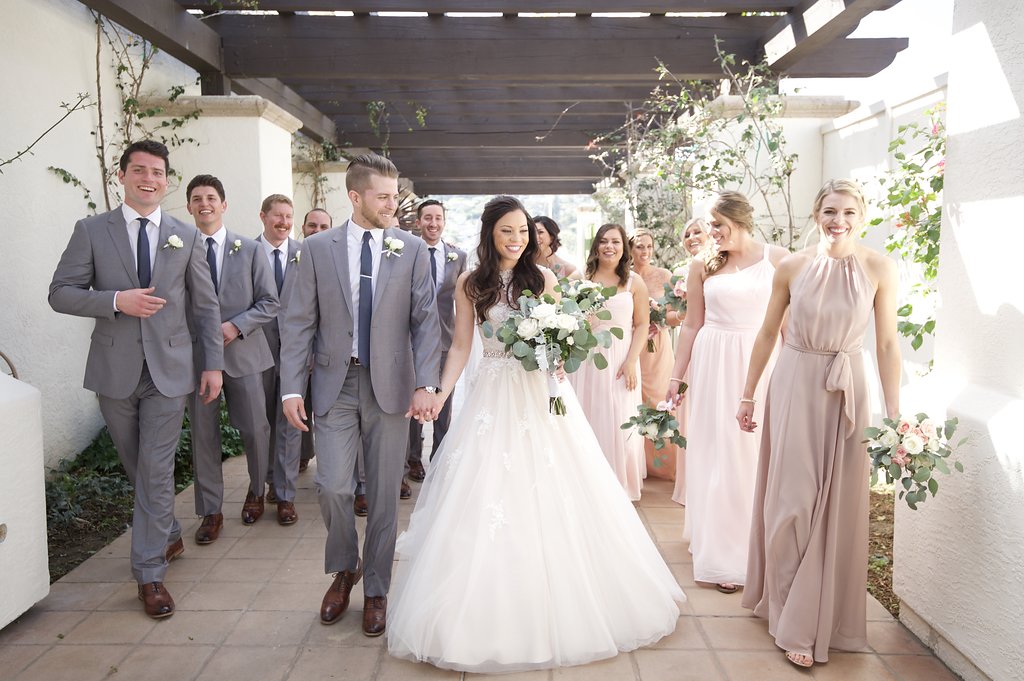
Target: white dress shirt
[[355, 252], [269, 249], [131, 220]]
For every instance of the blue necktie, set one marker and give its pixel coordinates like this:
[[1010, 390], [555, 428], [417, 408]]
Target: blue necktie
[[142, 254], [211, 257], [365, 299], [278, 271], [433, 266]]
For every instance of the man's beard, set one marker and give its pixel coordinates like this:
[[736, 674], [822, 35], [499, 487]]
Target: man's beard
[[372, 219]]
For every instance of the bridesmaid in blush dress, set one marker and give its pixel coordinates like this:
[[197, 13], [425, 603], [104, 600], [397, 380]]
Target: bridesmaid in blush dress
[[610, 396], [695, 239], [548, 244], [807, 572], [656, 365], [727, 295]]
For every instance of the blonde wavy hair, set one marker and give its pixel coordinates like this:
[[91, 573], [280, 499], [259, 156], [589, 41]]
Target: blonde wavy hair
[[734, 207], [841, 186]]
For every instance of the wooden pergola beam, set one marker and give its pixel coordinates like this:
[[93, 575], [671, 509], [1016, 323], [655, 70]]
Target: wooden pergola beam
[[813, 25], [422, 167], [450, 92], [504, 186], [513, 110], [503, 6], [316, 124], [551, 50], [468, 139]]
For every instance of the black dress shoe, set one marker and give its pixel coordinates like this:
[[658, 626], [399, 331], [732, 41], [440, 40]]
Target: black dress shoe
[[417, 472], [405, 492]]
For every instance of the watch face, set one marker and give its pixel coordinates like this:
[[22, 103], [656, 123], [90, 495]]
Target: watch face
[[431, 389]]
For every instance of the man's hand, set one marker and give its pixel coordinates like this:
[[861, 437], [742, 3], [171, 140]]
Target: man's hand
[[210, 383], [139, 302], [229, 331], [295, 412], [425, 406]]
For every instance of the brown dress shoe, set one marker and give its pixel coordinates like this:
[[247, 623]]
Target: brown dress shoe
[[252, 509], [174, 550], [361, 508], [375, 615], [405, 492], [155, 600], [271, 497], [416, 472], [286, 514], [303, 465], [335, 601], [209, 530]]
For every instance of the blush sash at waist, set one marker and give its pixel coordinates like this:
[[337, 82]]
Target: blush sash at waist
[[838, 378]]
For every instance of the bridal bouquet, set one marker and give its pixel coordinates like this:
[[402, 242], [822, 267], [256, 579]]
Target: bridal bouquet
[[675, 292], [910, 449], [659, 321], [589, 296], [545, 334], [659, 424]]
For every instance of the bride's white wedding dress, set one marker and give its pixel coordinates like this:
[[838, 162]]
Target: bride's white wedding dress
[[523, 551]]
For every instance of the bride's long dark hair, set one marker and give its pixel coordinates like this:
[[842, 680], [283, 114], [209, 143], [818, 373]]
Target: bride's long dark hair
[[483, 285]]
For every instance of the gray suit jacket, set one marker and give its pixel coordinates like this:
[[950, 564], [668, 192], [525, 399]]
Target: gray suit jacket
[[446, 295], [272, 329], [97, 262], [404, 333], [248, 299]]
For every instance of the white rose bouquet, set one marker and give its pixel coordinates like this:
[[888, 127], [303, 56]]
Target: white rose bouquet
[[545, 334], [659, 425], [909, 450]]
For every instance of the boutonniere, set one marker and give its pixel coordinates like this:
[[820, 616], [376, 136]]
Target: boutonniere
[[236, 246], [173, 241], [393, 247], [296, 258], [452, 257]]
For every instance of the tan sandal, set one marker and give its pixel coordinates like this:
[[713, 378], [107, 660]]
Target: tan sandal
[[727, 588], [800, 659]]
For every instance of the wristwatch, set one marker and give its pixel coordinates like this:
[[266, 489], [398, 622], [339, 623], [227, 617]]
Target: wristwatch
[[432, 389]]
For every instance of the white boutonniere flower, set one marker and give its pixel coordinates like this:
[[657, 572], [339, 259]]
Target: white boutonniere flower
[[236, 246], [393, 247], [296, 258], [452, 257], [173, 241]]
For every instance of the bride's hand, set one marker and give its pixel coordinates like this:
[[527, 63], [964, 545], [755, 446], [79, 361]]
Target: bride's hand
[[560, 373]]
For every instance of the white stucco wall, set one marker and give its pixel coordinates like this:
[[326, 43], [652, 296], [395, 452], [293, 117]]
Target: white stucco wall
[[40, 211], [959, 562], [336, 200]]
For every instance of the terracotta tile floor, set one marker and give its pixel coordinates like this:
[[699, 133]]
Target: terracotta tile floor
[[248, 609]]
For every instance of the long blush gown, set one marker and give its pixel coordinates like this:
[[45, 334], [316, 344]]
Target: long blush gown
[[655, 371], [523, 552], [809, 542], [721, 460], [607, 402]]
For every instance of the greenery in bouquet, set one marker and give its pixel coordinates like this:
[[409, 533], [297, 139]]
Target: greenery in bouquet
[[910, 450], [675, 292], [545, 334], [659, 321], [589, 296], [659, 424]]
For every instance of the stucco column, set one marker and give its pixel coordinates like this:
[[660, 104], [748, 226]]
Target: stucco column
[[245, 141], [959, 559]]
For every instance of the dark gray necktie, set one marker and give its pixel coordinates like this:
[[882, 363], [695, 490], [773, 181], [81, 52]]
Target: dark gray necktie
[[211, 258], [278, 271], [365, 299], [142, 254], [433, 265]]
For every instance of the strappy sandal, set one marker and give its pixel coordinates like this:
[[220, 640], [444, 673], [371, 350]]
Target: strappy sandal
[[727, 588], [801, 660]]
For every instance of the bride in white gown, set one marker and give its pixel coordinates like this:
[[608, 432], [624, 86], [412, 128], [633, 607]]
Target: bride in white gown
[[523, 551]]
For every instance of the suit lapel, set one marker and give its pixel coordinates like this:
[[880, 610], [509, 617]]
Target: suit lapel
[[384, 271], [119, 235], [339, 249], [232, 261], [161, 252]]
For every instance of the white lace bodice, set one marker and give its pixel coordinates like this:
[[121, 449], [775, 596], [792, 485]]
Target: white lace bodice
[[497, 316]]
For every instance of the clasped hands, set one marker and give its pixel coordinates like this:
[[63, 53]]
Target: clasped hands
[[425, 406]]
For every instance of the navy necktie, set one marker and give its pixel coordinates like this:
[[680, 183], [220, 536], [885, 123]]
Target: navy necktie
[[433, 265], [142, 254], [278, 271], [211, 257], [365, 299]]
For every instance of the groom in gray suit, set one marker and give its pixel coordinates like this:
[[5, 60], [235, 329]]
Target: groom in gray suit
[[137, 271], [364, 300], [248, 300]]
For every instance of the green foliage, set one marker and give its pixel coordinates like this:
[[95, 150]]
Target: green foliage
[[913, 205]]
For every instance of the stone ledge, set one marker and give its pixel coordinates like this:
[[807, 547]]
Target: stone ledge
[[794, 106], [228, 106]]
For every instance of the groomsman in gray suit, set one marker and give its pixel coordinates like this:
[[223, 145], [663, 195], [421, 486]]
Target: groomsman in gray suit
[[364, 302], [446, 264], [316, 221], [283, 253], [248, 300], [137, 271]]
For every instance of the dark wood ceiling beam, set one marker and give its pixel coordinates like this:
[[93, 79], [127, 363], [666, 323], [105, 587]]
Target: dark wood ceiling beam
[[468, 169], [319, 91], [813, 26], [315, 123], [512, 110], [554, 50], [537, 125], [850, 58], [465, 139], [504, 186], [504, 6]]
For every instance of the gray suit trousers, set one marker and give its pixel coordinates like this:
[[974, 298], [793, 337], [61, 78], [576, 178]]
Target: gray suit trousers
[[356, 417], [285, 441], [145, 427], [247, 411]]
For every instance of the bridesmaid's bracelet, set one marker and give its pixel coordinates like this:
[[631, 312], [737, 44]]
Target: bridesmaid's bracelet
[[748, 400], [675, 380]]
